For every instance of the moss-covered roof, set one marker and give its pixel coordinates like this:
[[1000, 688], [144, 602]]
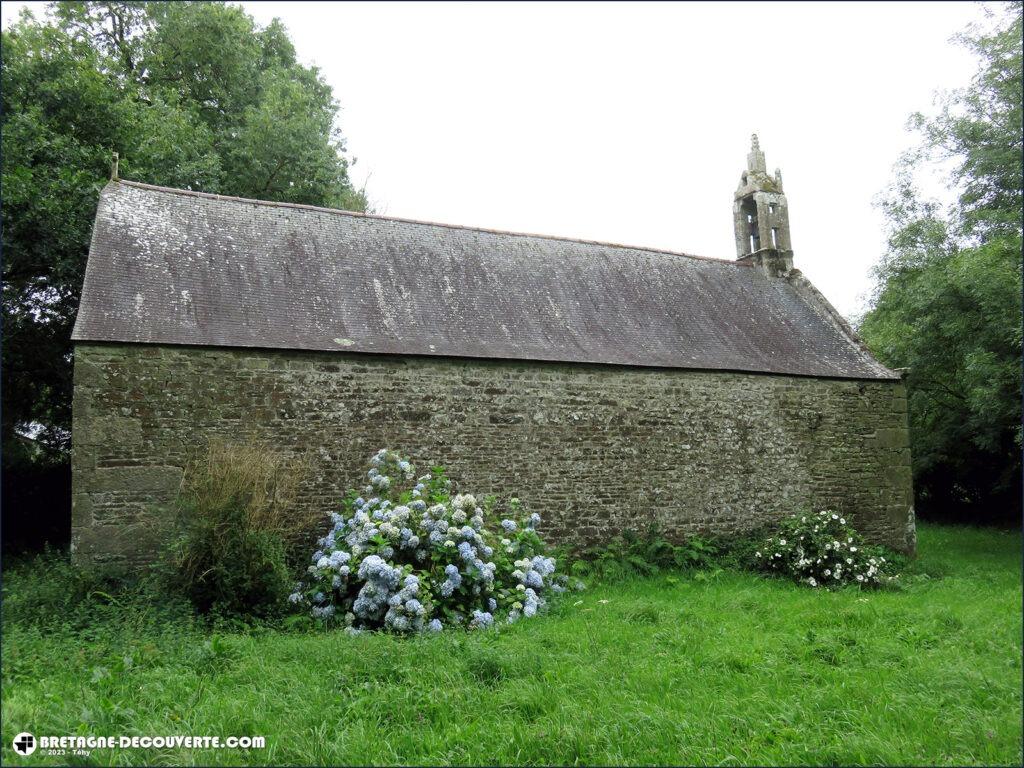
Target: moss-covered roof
[[176, 267]]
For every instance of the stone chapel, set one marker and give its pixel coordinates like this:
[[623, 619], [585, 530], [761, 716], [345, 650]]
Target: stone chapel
[[609, 387]]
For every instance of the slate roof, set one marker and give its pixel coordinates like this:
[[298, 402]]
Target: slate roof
[[175, 267]]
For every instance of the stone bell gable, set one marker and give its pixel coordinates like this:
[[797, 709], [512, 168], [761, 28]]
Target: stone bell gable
[[761, 217], [609, 387]]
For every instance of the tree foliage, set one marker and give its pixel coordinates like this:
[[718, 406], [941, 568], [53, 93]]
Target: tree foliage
[[191, 95], [947, 303]]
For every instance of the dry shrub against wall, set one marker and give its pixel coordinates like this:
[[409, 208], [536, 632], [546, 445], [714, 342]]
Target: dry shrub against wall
[[241, 529], [264, 483]]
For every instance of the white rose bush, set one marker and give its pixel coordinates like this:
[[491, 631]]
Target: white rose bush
[[823, 551], [405, 556]]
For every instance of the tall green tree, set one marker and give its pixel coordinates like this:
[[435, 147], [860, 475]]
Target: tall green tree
[[192, 95], [947, 303]]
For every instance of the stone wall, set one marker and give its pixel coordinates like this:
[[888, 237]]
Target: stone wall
[[595, 449]]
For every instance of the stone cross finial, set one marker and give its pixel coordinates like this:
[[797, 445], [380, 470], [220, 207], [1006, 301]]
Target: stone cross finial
[[113, 168], [755, 160]]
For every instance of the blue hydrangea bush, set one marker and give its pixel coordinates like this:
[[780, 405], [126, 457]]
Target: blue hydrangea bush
[[407, 556], [823, 551]]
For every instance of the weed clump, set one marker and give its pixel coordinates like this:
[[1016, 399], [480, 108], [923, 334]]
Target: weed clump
[[239, 528]]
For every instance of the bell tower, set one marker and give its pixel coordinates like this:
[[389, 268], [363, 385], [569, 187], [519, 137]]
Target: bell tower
[[761, 217]]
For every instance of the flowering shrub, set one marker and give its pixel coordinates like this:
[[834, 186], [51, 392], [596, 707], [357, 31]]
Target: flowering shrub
[[408, 557], [822, 550]]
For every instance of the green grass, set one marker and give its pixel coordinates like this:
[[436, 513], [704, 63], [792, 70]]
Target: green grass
[[724, 669]]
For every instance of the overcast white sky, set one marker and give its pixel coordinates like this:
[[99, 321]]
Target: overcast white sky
[[630, 122]]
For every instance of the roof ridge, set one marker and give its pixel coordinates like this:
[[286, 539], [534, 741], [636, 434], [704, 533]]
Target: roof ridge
[[421, 222]]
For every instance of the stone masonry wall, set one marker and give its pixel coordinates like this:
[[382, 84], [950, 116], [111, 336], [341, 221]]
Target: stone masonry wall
[[595, 449]]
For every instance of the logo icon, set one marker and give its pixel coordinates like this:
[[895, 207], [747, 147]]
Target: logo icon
[[25, 744]]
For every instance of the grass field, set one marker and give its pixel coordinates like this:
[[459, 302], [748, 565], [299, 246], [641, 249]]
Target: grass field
[[725, 668]]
